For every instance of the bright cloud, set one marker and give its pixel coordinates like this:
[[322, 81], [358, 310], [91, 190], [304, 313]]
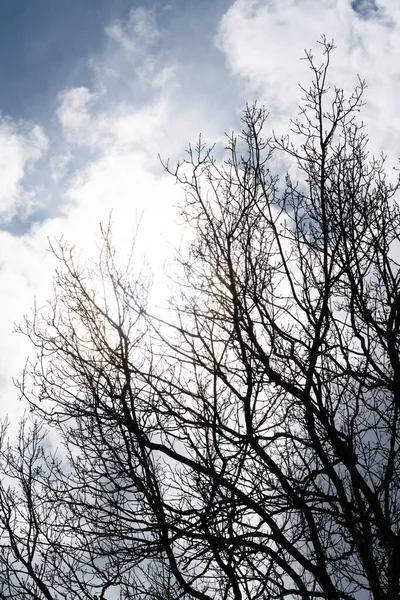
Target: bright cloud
[[21, 145], [74, 112], [103, 160], [264, 42]]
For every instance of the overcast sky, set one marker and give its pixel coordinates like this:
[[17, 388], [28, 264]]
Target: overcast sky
[[92, 90]]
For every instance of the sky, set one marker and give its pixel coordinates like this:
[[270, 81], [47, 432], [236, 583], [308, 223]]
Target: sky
[[92, 91]]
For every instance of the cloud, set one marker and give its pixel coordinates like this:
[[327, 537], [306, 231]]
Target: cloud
[[21, 145], [137, 33], [102, 147], [112, 143], [140, 45], [264, 41], [74, 112]]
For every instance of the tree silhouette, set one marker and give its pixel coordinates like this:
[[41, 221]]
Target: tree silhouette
[[244, 442]]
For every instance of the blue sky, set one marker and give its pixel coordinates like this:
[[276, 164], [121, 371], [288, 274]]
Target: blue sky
[[46, 44], [92, 90]]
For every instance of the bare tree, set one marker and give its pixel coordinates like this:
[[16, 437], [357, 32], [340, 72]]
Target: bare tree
[[79, 523], [249, 436], [43, 547]]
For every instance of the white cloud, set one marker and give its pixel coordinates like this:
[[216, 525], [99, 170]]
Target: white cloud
[[138, 33], [74, 111], [103, 159], [21, 145], [89, 123], [24, 274], [139, 36], [264, 41]]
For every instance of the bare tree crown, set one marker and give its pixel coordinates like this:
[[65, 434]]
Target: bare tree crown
[[246, 445]]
